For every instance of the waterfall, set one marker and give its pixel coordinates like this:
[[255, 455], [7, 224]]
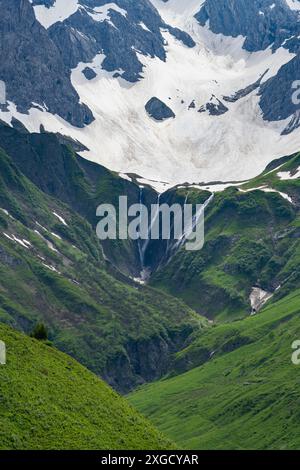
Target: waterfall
[[179, 243], [146, 244], [172, 246]]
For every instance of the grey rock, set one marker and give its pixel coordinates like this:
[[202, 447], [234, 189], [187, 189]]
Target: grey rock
[[245, 91], [79, 38], [214, 107], [276, 94], [158, 110], [261, 22], [89, 73], [33, 69]]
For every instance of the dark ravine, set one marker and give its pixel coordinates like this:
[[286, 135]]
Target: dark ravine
[[145, 361]]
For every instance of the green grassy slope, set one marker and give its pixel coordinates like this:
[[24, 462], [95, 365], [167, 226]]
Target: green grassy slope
[[251, 239], [49, 401], [245, 395], [59, 277]]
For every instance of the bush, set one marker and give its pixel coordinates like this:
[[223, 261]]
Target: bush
[[40, 332]]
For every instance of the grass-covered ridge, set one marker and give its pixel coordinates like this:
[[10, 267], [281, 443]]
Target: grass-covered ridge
[[49, 401], [245, 393]]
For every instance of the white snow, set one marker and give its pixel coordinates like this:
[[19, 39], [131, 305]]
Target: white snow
[[258, 298], [293, 4], [265, 189], [214, 188], [4, 211], [24, 243], [41, 226], [49, 244], [103, 13], [8, 236], [51, 268], [60, 218], [27, 243], [125, 177], [61, 10], [56, 236], [286, 175]]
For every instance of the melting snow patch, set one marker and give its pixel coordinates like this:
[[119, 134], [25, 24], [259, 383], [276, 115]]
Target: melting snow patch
[[194, 146], [8, 236], [60, 219], [125, 177], [51, 268], [56, 236], [27, 243], [293, 4], [258, 298], [139, 280], [21, 242], [287, 175], [49, 244], [61, 10], [265, 189], [24, 243], [41, 226], [213, 188], [103, 13], [7, 213]]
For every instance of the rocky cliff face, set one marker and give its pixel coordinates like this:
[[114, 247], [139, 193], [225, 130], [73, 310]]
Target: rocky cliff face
[[119, 33], [38, 61], [33, 69], [262, 22], [54, 51]]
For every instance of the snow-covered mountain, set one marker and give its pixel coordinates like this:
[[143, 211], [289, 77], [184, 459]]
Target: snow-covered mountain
[[173, 91]]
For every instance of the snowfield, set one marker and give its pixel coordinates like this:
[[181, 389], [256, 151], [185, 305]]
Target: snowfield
[[195, 147]]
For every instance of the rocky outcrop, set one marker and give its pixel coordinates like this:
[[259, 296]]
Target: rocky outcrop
[[261, 22], [33, 69], [214, 107], [245, 91], [158, 110], [277, 95], [89, 73], [131, 29], [143, 361]]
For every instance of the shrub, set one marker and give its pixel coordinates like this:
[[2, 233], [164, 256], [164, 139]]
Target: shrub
[[40, 332]]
